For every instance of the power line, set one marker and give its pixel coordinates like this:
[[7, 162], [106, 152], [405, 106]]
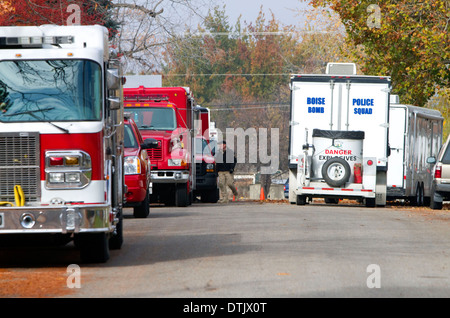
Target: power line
[[233, 74], [224, 107]]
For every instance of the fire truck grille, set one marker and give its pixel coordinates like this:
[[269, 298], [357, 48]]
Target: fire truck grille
[[19, 165], [200, 169], [155, 154]]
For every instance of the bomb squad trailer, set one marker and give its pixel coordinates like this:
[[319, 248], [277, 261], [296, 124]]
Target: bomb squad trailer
[[338, 140]]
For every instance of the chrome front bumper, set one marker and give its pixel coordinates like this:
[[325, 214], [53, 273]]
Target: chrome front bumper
[[57, 219], [170, 176]]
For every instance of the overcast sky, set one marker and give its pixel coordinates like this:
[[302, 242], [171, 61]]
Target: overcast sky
[[282, 9], [285, 11]]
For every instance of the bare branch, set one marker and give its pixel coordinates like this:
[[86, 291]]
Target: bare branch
[[150, 12]]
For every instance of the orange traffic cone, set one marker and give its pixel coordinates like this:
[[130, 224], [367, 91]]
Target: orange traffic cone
[[261, 195]]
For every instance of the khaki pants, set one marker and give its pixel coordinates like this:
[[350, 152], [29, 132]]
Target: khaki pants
[[226, 181]]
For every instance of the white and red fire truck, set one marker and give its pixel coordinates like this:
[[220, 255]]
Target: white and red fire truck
[[61, 137], [167, 115]]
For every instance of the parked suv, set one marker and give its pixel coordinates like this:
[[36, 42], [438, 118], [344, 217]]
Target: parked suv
[[440, 188], [137, 169]]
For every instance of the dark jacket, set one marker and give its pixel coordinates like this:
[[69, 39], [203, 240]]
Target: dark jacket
[[222, 163]]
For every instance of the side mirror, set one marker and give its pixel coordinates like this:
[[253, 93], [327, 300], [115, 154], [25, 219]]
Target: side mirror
[[150, 143], [431, 160], [113, 80], [114, 103]]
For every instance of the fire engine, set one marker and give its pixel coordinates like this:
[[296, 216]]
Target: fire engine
[[167, 115], [61, 136]]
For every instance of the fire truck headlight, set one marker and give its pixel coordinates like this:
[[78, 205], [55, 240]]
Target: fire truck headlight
[[72, 177], [56, 177], [209, 167], [132, 165], [174, 162], [67, 169]]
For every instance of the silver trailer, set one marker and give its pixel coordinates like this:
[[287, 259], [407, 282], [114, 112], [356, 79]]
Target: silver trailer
[[415, 138]]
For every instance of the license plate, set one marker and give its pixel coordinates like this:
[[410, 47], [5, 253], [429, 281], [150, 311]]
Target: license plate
[[1, 220]]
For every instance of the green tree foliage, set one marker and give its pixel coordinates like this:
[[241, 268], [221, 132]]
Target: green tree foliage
[[405, 39]]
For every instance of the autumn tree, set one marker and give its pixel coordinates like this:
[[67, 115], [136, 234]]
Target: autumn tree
[[38, 12], [405, 39], [241, 72]]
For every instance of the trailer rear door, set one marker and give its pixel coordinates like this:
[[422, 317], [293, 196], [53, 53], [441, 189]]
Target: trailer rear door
[[340, 103], [397, 128]]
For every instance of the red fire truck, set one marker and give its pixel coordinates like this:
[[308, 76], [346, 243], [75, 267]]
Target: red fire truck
[[167, 115], [61, 137]]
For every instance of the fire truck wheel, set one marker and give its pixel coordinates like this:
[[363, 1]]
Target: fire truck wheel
[[116, 240], [211, 196], [181, 195], [94, 247], [336, 172], [143, 210]]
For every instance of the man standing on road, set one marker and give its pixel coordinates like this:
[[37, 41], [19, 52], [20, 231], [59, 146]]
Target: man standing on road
[[226, 161]]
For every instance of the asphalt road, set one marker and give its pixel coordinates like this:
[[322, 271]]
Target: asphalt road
[[254, 249]]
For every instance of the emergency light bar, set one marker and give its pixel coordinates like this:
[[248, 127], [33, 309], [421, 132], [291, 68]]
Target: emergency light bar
[[35, 40], [158, 97]]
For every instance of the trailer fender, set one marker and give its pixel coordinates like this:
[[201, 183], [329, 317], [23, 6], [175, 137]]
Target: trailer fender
[[381, 188]]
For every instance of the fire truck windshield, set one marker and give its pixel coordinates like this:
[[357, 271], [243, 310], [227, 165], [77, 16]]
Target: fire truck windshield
[[154, 118], [51, 90]]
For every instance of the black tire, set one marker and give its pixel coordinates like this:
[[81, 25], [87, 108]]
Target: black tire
[[417, 200], [370, 202], [143, 210], [433, 204], [301, 200], [116, 240], [181, 195], [211, 196], [336, 172], [94, 247], [331, 200]]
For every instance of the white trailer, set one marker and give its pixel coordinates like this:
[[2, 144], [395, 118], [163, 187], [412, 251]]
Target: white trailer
[[339, 136], [415, 138]]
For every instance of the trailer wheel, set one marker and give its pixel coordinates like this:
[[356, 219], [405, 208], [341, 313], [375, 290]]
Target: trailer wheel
[[418, 199], [370, 202], [336, 172], [301, 200]]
